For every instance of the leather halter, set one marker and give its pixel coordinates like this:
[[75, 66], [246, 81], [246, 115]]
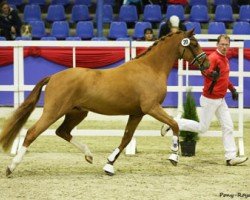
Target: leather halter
[[196, 57]]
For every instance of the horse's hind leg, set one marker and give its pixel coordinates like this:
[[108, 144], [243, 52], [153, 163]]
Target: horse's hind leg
[[132, 124], [41, 125], [71, 120]]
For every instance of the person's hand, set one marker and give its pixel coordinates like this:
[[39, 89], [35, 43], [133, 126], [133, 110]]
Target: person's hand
[[13, 29], [215, 75], [235, 94]]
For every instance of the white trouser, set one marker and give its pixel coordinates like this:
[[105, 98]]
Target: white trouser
[[209, 107]]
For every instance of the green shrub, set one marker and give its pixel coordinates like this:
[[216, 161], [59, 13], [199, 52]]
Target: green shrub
[[190, 112]]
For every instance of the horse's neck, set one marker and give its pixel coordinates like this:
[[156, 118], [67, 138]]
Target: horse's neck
[[163, 56]]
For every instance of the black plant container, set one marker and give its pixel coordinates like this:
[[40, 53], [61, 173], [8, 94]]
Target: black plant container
[[188, 148]]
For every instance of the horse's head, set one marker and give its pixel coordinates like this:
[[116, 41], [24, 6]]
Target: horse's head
[[191, 51]]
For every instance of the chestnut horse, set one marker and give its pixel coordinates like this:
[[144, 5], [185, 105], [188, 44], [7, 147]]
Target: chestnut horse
[[135, 88]]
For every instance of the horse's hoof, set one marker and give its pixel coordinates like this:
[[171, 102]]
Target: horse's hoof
[[89, 159], [173, 162], [8, 172], [174, 159], [109, 169]]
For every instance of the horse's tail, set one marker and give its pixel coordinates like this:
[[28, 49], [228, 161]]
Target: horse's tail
[[14, 124]]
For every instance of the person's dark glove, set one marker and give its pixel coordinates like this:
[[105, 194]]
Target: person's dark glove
[[215, 75], [235, 94]]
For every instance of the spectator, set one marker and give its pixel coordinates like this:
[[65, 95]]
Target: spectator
[[242, 2], [165, 3], [137, 3], [10, 23], [171, 25], [148, 34], [182, 2], [237, 3]]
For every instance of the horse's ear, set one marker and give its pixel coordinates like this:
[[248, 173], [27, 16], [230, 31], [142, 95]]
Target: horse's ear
[[190, 33]]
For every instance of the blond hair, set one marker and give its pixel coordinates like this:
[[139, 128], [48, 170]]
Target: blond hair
[[225, 36]]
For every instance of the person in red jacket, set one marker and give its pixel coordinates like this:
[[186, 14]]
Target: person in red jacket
[[212, 101]]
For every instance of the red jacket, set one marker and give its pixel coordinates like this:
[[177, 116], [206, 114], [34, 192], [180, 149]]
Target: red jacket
[[220, 63]]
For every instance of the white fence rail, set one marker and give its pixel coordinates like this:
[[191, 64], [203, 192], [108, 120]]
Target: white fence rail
[[130, 47]]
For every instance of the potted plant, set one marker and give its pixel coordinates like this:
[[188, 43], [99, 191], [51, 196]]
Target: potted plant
[[188, 139]]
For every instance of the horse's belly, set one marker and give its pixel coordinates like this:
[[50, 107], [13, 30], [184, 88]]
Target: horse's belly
[[116, 108]]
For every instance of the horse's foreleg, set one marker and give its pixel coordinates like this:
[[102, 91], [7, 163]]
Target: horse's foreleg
[[41, 125], [71, 120], [158, 113], [132, 124]]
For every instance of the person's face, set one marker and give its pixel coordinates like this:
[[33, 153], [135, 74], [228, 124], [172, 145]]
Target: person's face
[[223, 45], [5, 9], [148, 36]]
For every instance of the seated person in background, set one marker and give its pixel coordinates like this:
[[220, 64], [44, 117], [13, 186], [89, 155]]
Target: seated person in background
[[165, 3], [137, 3], [171, 26], [242, 2], [236, 4], [182, 2], [10, 22], [148, 34]]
